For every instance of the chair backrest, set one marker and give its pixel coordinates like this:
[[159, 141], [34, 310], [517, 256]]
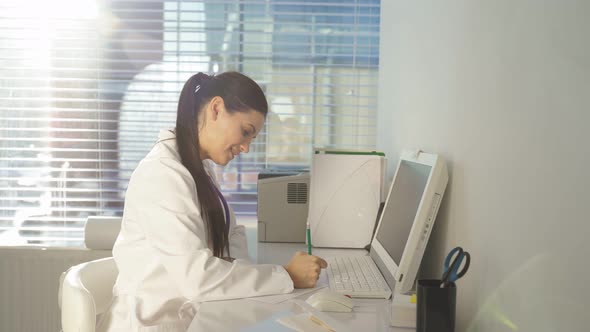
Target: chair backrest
[[87, 291], [100, 232]]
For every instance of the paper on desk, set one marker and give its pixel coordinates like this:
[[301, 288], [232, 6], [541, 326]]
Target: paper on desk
[[275, 299], [302, 323], [270, 325], [326, 319]]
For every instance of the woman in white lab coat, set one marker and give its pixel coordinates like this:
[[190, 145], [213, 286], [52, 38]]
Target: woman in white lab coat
[[179, 244]]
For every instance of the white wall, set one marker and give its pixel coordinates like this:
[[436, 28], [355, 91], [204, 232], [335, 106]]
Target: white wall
[[501, 89]]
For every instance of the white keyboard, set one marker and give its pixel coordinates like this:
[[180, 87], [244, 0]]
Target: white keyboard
[[357, 276]]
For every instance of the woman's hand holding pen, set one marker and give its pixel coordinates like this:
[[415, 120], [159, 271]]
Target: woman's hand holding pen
[[305, 269]]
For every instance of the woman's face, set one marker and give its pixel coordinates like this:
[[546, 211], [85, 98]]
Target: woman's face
[[225, 135]]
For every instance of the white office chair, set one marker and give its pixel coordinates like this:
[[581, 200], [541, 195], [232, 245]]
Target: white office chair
[[86, 292]]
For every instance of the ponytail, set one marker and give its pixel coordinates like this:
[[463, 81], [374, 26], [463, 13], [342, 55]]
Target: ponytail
[[240, 94], [187, 138]]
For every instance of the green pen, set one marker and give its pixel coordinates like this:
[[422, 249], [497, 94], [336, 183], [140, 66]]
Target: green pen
[[308, 234]]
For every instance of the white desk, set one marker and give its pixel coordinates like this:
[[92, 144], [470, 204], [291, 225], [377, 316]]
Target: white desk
[[248, 315]]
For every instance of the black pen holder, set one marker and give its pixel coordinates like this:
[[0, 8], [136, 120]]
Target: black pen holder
[[435, 308]]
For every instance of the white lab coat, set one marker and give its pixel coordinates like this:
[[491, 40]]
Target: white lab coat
[[166, 267]]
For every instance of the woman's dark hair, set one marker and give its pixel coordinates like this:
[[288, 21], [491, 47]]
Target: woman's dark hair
[[240, 94]]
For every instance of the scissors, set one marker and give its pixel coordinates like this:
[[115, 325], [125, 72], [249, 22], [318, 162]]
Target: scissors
[[452, 264]]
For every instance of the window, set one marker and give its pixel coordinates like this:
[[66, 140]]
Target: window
[[85, 86]]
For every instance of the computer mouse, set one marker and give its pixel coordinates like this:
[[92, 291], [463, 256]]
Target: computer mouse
[[330, 301]]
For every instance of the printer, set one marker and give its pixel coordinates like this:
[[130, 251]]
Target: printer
[[283, 202]]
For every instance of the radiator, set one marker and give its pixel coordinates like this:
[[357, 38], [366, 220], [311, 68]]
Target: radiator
[[29, 282]]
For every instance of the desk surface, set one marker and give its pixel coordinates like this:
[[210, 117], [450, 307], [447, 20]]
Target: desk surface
[[248, 315]]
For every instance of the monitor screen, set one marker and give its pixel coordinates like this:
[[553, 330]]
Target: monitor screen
[[401, 207]]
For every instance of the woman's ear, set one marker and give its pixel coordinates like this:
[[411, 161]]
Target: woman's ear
[[217, 106]]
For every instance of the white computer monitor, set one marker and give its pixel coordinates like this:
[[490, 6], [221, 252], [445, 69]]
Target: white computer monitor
[[407, 218]]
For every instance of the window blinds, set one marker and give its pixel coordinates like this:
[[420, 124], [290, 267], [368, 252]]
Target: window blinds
[[85, 86]]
